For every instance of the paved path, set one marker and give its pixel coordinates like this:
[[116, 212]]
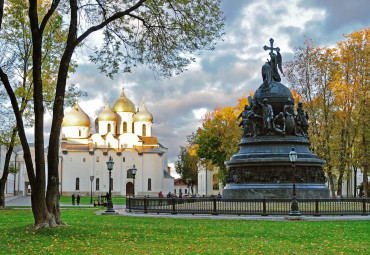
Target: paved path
[[26, 201], [124, 212], [121, 211]]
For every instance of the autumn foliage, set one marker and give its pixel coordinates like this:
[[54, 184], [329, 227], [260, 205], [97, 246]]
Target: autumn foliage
[[333, 83]]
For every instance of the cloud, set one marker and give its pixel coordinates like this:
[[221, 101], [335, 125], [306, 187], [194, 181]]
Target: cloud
[[222, 76]]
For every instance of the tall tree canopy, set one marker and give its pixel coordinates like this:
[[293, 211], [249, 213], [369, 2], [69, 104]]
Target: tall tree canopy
[[16, 38], [187, 164], [334, 85], [163, 34], [215, 141]]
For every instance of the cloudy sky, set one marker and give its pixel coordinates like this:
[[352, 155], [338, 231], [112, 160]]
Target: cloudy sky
[[230, 71]]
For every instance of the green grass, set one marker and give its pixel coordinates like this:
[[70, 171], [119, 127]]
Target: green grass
[[92, 234], [85, 200]]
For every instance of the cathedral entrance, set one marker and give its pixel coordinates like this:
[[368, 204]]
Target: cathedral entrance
[[129, 189]]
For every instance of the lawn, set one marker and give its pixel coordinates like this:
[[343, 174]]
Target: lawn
[[85, 200], [92, 234]]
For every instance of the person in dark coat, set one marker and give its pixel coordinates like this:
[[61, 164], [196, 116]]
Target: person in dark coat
[[73, 199], [78, 199]]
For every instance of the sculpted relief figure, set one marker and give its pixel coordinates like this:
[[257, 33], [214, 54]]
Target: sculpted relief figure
[[248, 122], [302, 120], [289, 117], [279, 124], [267, 116], [270, 68]]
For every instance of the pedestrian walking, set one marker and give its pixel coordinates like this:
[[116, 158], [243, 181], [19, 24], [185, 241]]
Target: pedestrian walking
[[73, 199], [78, 199], [160, 195]]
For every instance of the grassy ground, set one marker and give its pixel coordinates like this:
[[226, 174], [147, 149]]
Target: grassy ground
[[85, 200], [92, 234]]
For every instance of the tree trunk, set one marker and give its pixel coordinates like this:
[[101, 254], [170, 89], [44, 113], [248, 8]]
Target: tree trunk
[[339, 185], [331, 182], [365, 182], [4, 178], [52, 195], [2, 190], [42, 217]]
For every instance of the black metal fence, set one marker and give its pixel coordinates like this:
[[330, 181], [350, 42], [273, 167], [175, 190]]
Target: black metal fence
[[264, 207]]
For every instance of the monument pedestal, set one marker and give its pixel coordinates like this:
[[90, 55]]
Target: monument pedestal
[[262, 168], [279, 190]]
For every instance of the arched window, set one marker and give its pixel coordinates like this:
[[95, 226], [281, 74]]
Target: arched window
[[215, 182], [124, 127], [109, 128], [133, 128], [129, 174], [149, 184], [144, 130], [77, 183], [97, 186], [111, 183]]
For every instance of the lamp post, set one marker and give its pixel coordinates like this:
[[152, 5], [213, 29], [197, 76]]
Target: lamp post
[[91, 180], [110, 164], [133, 171], [294, 209]]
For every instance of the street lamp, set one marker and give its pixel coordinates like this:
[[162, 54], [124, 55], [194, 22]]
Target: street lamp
[[91, 180], [133, 171], [294, 209], [110, 164]]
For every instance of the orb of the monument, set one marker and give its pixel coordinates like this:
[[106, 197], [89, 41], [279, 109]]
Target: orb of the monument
[[276, 93]]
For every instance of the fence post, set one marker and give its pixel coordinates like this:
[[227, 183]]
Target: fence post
[[316, 207], [145, 205], [264, 213], [364, 206], [173, 206], [214, 207], [129, 204]]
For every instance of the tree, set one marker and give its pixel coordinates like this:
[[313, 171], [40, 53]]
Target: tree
[[218, 138], [334, 85], [187, 163], [351, 89], [16, 35], [309, 75], [152, 32]]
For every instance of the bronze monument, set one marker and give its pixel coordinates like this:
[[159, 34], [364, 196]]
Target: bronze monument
[[270, 128]]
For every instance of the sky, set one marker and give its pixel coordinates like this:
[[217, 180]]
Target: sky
[[222, 76]]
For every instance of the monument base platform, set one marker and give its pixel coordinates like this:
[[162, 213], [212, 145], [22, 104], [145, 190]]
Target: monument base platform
[[280, 190]]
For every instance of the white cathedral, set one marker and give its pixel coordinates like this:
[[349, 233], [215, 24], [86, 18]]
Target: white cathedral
[[121, 133]]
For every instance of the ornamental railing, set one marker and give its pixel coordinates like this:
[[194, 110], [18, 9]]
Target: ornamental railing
[[264, 207]]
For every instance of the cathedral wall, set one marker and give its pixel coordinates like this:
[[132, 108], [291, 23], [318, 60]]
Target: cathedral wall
[[104, 127], [128, 140], [139, 128], [128, 118], [152, 169], [76, 132]]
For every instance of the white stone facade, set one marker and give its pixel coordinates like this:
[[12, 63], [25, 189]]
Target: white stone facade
[[11, 184], [208, 182]]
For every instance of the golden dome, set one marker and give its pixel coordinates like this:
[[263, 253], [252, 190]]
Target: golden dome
[[107, 114], [143, 114], [76, 117], [123, 104]]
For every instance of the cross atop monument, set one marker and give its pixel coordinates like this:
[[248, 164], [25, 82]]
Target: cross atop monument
[[272, 46]]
